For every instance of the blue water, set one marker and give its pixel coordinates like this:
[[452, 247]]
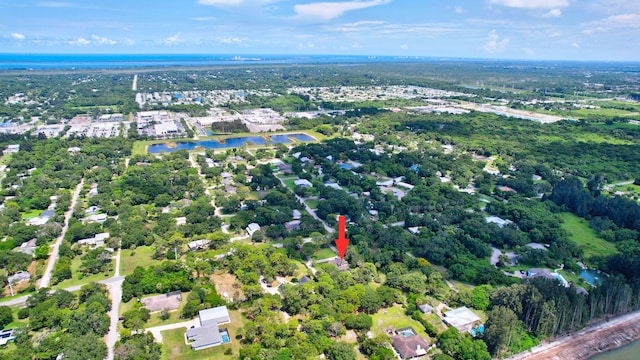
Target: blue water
[[225, 339], [229, 143], [477, 330], [591, 277], [91, 61]]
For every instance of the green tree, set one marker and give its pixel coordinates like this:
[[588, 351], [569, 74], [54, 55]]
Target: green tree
[[6, 316]]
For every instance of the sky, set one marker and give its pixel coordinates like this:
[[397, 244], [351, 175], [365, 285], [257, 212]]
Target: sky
[[508, 29]]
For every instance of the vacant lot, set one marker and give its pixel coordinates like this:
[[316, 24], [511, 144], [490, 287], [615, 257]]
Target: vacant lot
[[227, 286], [140, 256], [585, 237]]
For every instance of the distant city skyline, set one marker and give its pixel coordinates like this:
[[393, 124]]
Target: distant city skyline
[[507, 29]]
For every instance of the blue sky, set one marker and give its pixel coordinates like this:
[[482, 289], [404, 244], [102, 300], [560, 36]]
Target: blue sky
[[512, 29]]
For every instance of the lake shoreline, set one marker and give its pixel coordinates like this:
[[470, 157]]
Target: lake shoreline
[[594, 339]]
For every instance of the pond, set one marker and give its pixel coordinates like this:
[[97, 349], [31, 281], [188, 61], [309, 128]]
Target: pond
[[230, 143], [591, 277]]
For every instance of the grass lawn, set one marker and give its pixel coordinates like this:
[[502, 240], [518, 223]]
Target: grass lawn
[[628, 188], [312, 203], [394, 316], [141, 257], [77, 277], [325, 253], [32, 214], [585, 237], [291, 183], [174, 348]]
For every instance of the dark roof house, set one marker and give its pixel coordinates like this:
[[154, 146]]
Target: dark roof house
[[409, 346]]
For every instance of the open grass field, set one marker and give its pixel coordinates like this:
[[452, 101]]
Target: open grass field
[[174, 348], [291, 183], [141, 256], [325, 253], [78, 279], [312, 203], [32, 214], [395, 317], [585, 237]]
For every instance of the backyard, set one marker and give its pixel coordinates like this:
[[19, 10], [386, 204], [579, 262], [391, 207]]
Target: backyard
[[174, 347]]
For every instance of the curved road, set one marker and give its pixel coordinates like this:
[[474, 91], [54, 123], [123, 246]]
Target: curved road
[[46, 278], [329, 229]]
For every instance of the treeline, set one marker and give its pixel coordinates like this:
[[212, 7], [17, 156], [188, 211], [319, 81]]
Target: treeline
[[61, 322], [225, 127]]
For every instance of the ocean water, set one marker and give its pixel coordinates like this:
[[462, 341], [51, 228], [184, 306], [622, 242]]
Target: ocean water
[[627, 352], [107, 61]]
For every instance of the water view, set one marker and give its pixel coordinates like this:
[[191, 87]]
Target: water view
[[229, 143], [628, 352]]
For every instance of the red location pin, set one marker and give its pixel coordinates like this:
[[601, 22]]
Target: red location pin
[[341, 242]]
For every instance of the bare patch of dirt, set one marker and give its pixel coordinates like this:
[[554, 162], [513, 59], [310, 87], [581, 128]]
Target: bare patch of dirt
[[227, 286]]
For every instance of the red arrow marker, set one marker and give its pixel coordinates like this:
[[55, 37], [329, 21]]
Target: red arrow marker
[[341, 242]]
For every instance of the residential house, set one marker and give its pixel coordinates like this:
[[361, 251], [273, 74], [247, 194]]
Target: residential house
[[169, 301], [11, 149], [208, 334], [99, 218], [96, 241], [303, 183], [6, 336], [28, 247], [20, 276], [408, 344], [253, 227], [426, 309], [462, 319], [292, 225], [296, 214], [198, 244], [42, 218], [341, 264]]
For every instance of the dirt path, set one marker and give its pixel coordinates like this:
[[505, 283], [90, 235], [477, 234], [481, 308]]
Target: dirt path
[[46, 277], [588, 342]]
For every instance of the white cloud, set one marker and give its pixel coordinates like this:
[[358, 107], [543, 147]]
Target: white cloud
[[630, 20], [495, 43], [458, 9], [204, 18], [53, 4], [532, 4], [553, 13], [576, 45], [220, 2], [129, 42], [404, 47], [232, 40], [79, 42], [102, 40], [614, 22], [324, 11], [171, 40], [18, 36]]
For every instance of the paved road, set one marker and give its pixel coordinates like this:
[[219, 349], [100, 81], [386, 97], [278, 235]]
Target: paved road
[[23, 299], [157, 331], [46, 278], [115, 290], [308, 209], [623, 183]]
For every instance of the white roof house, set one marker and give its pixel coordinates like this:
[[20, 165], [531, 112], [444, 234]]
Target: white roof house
[[198, 244], [303, 182], [208, 334], [100, 218], [96, 241], [253, 227], [462, 318]]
